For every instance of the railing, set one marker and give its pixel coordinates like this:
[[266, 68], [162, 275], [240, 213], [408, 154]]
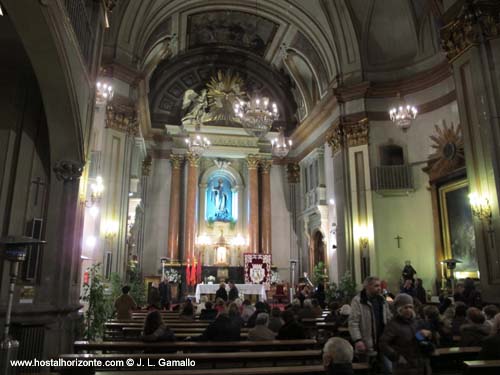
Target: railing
[[82, 26], [393, 177]]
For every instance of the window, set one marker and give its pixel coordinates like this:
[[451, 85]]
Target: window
[[391, 155]]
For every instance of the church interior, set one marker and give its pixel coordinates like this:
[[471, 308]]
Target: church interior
[[279, 144]]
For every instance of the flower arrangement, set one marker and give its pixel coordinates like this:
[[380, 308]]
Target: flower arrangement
[[210, 279], [275, 277], [172, 275]]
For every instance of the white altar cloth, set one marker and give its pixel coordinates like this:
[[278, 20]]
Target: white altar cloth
[[257, 289]]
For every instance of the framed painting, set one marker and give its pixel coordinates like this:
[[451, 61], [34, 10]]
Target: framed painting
[[457, 228]]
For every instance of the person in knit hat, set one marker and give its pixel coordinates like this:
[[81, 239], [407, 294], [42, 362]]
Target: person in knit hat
[[405, 345]]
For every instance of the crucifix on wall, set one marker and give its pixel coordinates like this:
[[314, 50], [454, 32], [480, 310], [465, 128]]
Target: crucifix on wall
[[39, 183], [398, 238]]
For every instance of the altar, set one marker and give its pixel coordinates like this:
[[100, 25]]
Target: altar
[[254, 289]]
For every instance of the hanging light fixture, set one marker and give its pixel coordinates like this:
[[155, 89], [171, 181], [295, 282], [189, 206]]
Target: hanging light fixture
[[257, 115], [196, 143], [280, 145], [403, 114], [104, 92]]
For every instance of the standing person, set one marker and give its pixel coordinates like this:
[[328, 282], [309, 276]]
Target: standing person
[[472, 297], [369, 315], [233, 291], [420, 292], [124, 305], [408, 288], [154, 299], [165, 297], [221, 292], [407, 347]]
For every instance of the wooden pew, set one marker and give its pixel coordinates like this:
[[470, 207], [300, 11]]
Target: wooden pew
[[282, 370], [190, 346], [452, 358], [203, 360], [491, 367]]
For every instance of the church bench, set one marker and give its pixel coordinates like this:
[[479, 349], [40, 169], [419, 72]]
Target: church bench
[[452, 358], [491, 367], [120, 325], [188, 346], [132, 333], [205, 360]]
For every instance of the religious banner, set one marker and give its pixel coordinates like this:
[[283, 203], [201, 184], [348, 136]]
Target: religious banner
[[258, 269]]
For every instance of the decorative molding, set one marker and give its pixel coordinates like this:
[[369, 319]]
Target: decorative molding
[[253, 161], [176, 161], [122, 116], [293, 173], [110, 4], [193, 159], [265, 165], [477, 20], [68, 170], [146, 165], [335, 137], [356, 132], [233, 141]]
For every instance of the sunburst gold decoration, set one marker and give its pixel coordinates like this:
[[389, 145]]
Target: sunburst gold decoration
[[224, 91], [449, 150]]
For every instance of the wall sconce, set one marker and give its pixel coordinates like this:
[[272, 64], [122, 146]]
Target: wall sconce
[[480, 206], [363, 236], [96, 190], [110, 229]]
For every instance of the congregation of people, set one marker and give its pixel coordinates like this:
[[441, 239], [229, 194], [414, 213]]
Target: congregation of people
[[394, 333]]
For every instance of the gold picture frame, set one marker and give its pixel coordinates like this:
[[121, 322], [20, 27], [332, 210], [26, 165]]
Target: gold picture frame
[[457, 228]]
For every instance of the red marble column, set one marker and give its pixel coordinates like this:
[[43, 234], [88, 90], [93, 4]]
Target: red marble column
[[253, 195], [192, 187], [266, 242], [175, 197]]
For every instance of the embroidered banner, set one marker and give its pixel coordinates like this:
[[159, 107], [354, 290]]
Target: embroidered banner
[[258, 269]]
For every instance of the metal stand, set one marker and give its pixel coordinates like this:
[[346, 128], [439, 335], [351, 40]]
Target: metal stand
[[293, 262]]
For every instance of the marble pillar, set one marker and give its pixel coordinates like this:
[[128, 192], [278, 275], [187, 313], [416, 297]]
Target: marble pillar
[[266, 206], [253, 197], [175, 198], [191, 194]]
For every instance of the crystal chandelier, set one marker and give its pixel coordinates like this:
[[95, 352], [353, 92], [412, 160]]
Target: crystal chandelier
[[402, 115], [104, 92], [197, 144], [256, 115], [280, 145]]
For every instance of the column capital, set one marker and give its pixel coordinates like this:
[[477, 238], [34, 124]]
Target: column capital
[[474, 21], [253, 161], [335, 137], [68, 170], [293, 172], [122, 116], [193, 159], [357, 132], [266, 165], [176, 160]]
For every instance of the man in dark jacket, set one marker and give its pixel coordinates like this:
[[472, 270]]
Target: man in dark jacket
[[291, 330], [208, 313], [221, 329], [221, 292], [233, 291]]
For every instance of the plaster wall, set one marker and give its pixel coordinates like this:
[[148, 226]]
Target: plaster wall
[[409, 216]]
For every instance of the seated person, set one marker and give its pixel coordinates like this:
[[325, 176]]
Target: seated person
[[220, 305], [221, 292], [201, 305], [441, 335], [261, 332], [155, 330], [316, 308], [247, 310], [260, 307], [275, 321], [233, 312], [221, 329], [208, 313], [306, 312], [489, 312], [474, 331], [291, 330], [490, 346], [408, 288], [337, 357], [460, 318], [187, 312]]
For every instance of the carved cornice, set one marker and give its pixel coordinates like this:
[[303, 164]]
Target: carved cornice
[[193, 159], [476, 21], [176, 161], [357, 132], [293, 173], [68, 170], [253, 161], [265, 165], [146, 165], [335, 137], [122, 116]]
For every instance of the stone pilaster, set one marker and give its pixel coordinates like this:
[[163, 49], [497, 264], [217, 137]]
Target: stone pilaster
[[191, 195], [266, 240], [253, 196], [175, 197]]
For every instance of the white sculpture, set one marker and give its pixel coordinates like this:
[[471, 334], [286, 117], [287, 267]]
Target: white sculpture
[[194, 106]]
